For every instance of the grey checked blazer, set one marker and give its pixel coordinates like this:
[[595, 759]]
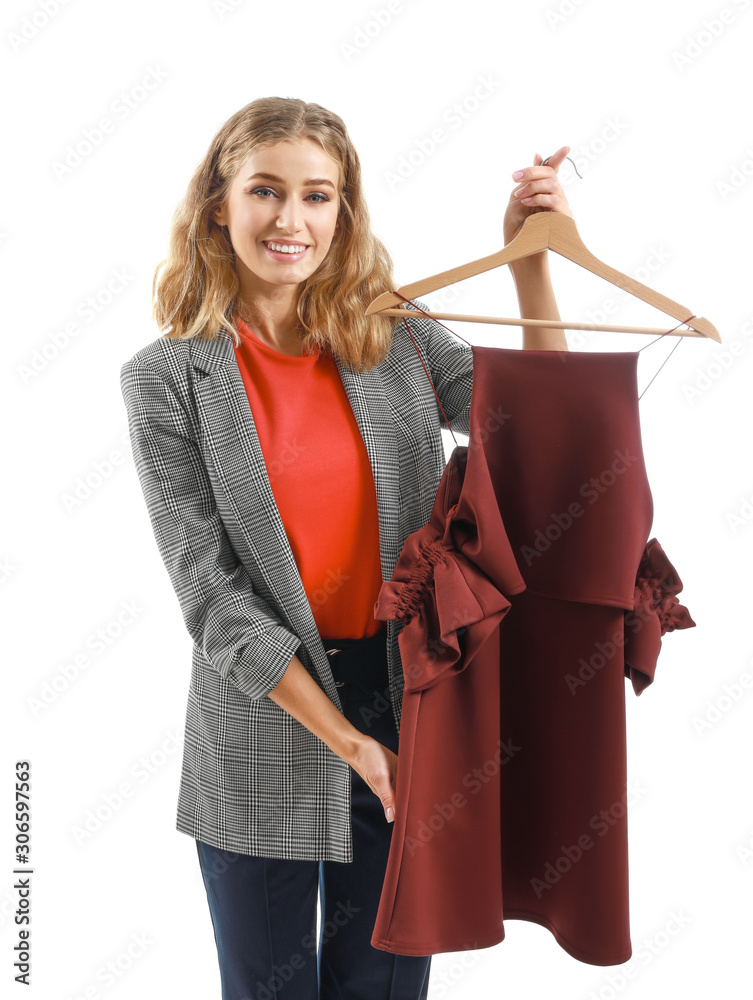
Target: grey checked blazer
[[255, 780]]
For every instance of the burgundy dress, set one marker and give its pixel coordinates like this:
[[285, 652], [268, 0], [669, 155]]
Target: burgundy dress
[[529, 597]]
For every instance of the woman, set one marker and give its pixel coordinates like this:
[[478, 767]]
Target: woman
[[286, 446]]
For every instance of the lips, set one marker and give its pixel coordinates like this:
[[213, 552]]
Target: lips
[[284, 243], [285, 256]]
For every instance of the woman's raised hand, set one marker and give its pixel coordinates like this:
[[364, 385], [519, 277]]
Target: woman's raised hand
[[538, 190]]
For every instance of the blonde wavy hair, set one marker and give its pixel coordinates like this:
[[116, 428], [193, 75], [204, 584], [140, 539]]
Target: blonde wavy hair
[[196, 288]]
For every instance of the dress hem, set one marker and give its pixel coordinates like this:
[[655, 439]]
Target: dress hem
[[425, 948]]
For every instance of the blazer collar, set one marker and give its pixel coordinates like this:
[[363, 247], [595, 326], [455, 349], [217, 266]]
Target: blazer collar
[[229, 432]]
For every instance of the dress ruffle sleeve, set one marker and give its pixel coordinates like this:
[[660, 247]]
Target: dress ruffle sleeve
[[656, 610], [450, 582], [438, 593]]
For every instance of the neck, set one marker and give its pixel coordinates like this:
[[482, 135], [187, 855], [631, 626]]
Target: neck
[[279, 329], [269, 309]]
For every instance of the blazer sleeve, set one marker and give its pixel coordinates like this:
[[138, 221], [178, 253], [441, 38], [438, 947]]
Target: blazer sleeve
[[238, 632], [451, 369]]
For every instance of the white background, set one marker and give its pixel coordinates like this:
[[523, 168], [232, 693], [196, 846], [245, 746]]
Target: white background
[[655, 105]]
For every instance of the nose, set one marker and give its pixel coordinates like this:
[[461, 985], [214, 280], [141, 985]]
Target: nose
[[289, 217]]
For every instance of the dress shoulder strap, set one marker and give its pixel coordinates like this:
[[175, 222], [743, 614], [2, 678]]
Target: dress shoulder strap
[[415, 306]]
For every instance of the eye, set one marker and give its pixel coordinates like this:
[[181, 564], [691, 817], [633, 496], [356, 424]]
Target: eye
[[320, 196]]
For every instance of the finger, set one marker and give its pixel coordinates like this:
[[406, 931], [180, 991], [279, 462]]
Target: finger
[[526, 174], [383, 784], [555, 159], [552, 201], [541, 169], [546, 185], [388, 800]]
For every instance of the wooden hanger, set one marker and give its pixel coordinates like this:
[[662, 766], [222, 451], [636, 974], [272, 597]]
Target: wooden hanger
[[541, 231]]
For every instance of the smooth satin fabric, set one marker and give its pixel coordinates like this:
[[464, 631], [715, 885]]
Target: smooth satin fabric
[[526, 601]]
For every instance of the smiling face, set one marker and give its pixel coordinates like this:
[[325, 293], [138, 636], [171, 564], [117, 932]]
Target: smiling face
[[284, 195]]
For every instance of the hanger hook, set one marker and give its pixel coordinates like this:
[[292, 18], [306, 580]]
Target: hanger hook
[[544, 162]]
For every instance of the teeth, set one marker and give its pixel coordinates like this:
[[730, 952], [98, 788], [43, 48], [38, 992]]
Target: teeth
[[284, 248]]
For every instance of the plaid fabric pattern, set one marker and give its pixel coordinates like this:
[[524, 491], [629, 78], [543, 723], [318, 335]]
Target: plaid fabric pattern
[[255, 780]]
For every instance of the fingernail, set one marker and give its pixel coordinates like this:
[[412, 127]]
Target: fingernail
[[390, 814], [517, 175]]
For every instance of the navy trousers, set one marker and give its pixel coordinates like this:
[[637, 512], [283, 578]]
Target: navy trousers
[[264, 909]]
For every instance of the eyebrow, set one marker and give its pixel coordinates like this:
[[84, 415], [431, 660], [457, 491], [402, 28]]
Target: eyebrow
[[311, 182]]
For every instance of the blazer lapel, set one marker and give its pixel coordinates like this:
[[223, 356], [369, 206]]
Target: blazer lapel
[[229, 435], [368, 401]]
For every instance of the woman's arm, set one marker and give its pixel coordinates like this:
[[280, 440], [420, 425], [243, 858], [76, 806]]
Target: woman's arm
[[238, 633], [299, 694], [538, 190], [536, 299]]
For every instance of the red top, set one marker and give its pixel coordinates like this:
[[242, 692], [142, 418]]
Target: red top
[[322, 481]]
